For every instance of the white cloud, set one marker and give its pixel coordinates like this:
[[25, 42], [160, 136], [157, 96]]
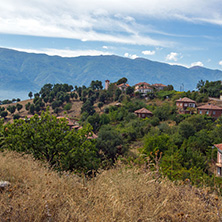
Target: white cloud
[[102, 20], [134, 56], [105, 47], [173, 56], [220, 63], [64, 52], [197, 64], [148, 52]]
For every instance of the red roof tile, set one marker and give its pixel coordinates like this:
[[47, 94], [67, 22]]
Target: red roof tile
[[124, 84], [143, 110], [142, 83], [145, 87], [185, 99], [159, 85], [210, 107], [218, 146]]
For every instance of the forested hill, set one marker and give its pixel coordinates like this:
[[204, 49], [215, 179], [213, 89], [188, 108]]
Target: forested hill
[[29, 71]]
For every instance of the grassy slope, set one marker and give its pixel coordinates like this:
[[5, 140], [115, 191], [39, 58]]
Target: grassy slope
[[120, 194]]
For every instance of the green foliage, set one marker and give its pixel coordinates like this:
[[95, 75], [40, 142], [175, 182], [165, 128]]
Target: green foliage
[[50, 139], [122, 80], [164, 112], [68, 106], [11, 109], [19, 106], [111, 143], [212, 89], [156, 143], [30, 95], [100, 105], [4, 114]]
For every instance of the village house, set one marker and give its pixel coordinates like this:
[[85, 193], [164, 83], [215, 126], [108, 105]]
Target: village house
[[159, 86], [210, 109], [143, 113], [185, 105], [219, 159], [123, 86], [143, 88]]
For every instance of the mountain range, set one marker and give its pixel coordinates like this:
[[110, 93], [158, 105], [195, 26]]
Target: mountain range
[[21, 71]]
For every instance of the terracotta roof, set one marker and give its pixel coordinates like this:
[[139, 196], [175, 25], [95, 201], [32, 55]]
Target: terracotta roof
[[185, 99], [218, 146], [124, 84], [142, 83], [210, 107], [143, 110], [145, 87], [159, 84]]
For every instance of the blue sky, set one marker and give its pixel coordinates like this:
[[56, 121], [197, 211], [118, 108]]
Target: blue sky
[[185, 32]]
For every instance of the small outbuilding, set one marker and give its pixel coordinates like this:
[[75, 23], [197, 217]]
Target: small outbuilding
[[143, 113]]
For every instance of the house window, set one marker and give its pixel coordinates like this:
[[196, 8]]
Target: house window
[[214, 112], [219, 171], [185, 104], [143, 115], [200, 111], [207, 112]]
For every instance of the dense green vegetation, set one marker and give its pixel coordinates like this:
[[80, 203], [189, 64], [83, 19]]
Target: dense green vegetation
[[181, 145]]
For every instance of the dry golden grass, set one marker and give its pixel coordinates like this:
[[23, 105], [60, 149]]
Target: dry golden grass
[[120, 194]]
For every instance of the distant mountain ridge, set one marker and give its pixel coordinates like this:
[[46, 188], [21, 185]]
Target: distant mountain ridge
[[30, 71]]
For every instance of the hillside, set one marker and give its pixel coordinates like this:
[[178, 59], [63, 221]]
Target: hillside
[[119, 194], [28, 71]]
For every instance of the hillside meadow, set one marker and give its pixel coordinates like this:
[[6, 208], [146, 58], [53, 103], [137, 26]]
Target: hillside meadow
[[122, 193]]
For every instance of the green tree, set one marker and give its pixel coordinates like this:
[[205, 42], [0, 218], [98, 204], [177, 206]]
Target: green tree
[[4, 114], [111, 143], [50, 139], [100, 105], [129, 90], [11, 109], [19, 106], [30, 95], [68, 106], [122, 80]]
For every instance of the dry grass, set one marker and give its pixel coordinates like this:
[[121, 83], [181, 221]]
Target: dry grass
[[120, 194]]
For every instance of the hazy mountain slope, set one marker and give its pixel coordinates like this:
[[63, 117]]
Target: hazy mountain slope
[[29, 71]]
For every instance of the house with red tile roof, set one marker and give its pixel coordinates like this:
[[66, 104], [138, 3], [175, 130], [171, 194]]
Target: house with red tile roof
[[210, 109], [142, 84], [143, 88], [185, 105], [143, 113], [159, 86], [123, 86], [219, 159]]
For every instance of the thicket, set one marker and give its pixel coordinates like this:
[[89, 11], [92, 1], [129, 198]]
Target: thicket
[[50, 139]]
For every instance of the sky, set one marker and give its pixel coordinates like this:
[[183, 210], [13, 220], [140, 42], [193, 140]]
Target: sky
[[184, 32]]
